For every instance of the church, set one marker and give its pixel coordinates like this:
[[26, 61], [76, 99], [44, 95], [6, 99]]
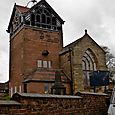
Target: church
[[39, 63]]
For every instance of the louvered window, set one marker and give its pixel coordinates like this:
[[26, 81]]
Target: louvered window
[[42, 17]]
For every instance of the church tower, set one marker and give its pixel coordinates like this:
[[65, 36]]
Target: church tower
[[36, 38]]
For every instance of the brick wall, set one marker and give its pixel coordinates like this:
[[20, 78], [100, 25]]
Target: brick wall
[[26, 48], [38, 104]]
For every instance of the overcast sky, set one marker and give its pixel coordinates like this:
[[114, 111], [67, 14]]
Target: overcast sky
[[97, 16]]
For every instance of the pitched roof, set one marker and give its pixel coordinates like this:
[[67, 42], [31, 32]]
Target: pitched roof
[[47, 5], [45, 75], [71, 45], [22, 9]]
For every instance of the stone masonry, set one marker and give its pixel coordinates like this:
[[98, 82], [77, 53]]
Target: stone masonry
[[42, 104]]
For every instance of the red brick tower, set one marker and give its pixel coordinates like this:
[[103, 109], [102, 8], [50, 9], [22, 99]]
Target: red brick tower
[[35, 41]]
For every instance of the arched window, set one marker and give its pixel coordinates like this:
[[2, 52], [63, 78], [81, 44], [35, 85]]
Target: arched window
[[88, 65], [43, 17], [48, 20], [32, 19], [38, 18]]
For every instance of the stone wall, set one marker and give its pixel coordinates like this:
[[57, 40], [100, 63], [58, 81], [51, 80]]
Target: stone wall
[[96, 103], [38, 104], [71, 61]]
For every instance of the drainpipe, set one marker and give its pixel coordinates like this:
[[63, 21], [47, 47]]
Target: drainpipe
[[70, 59]]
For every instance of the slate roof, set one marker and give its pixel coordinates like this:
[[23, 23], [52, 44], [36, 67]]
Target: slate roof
[[22, 9], [68, 47], [45, 75]]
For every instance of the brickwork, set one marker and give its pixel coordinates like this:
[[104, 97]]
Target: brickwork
[[36, 41], [36, 104], [27, 47], [32, 36]]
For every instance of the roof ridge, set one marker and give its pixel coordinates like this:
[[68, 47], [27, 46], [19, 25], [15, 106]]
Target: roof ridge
[[22, 6]]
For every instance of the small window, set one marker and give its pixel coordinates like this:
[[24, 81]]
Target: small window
[[53, 21], [25, 88], [48, 20], [32, 19], [49, 64], [46, 88], [43, 18], [38, 18], [39, 63], [45, 64]]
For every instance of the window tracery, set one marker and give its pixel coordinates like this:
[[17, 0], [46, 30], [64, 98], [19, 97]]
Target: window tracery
[[88, 65], [42, 17]]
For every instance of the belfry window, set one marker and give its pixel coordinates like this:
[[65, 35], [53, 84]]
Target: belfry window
[[88, 65], [53, 21], [37, 18], [48, 20], [42, 17], [32, 19]]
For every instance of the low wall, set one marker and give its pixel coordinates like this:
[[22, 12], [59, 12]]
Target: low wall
[[38, 104], [7, 106], [95, 103]]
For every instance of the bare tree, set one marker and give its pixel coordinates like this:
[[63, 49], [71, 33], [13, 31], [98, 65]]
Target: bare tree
[[110, 62]]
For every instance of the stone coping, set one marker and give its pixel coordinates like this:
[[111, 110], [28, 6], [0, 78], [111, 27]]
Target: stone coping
[[36, 95], [92, 93], [9, 102]]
